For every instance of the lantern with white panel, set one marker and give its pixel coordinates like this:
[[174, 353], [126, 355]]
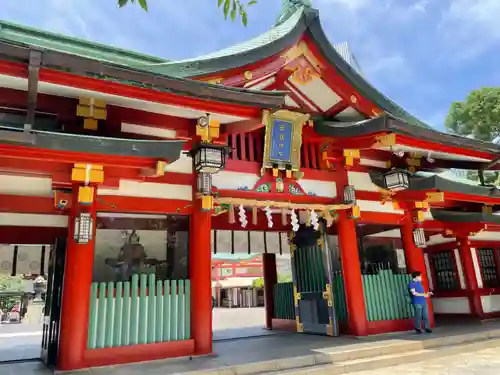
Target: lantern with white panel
[[350, 195], [204, 183], [397, 180], [83, 228], [419, 237], [209, 158]]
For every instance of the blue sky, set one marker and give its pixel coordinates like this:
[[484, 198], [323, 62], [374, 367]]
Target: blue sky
[[423, 54]]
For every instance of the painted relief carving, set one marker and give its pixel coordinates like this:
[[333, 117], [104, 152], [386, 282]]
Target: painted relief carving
[[301, 49], [294, 190], [263, 188]]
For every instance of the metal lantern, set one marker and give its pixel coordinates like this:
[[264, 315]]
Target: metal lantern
[[350, 195], [209, 158], [397, 180], [83, 228], [419, 237], [204, 183]]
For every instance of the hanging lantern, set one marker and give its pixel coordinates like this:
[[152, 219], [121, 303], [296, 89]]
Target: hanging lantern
[[419, 237], [350, 195], [396, 180], [209, 158], [204, 183]]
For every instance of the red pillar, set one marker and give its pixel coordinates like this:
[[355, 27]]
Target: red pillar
[[270, 279], [351, 271], [200, 274], [476, 308], [415, 260], [76, 292]]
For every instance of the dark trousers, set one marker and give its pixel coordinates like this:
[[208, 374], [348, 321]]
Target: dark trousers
[[421, 314]]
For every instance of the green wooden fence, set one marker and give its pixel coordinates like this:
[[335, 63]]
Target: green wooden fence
[[339, 297], [283, 301], [142, 311], [386, 296]]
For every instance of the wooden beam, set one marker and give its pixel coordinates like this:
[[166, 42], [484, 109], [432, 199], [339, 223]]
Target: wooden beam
[[337, 108]]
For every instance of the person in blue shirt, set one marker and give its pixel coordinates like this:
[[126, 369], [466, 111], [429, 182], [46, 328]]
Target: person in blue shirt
[[419, 301]]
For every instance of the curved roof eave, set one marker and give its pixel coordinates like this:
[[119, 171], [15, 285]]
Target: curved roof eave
[[464, 217], [284, 34], [446, 185], [273, 41], [390, 123], [355, 78]]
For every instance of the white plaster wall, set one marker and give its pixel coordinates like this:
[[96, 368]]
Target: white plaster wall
[[33, 220], [439, 239], [319, 188], [460, 270], [182, 165], [454, 305], [226, 180], [361, 181], [129, 188], [30, 186], [491, 303]]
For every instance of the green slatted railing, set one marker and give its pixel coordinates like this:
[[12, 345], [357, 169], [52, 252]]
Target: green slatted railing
[[144, 310], [309, 269], [386, 296], [283, 301], [339, 297]]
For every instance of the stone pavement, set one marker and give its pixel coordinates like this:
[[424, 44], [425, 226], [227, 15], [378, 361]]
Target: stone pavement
[[484, 362]]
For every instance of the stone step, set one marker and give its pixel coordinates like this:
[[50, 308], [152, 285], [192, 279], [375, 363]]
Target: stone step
[[389, 360], [357, 357]]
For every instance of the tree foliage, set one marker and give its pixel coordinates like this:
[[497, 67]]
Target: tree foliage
[[259, 283], [477, 116], [11, 283], [230, 8]]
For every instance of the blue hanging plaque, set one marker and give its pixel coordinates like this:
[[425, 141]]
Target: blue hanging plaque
[[281, 141]]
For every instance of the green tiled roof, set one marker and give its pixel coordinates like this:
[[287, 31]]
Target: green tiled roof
[[50, 41], [297, 17]]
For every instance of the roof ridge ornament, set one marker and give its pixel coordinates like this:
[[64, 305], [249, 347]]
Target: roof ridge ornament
[[289, 7]]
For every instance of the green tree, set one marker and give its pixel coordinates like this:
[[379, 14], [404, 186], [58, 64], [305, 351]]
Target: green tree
[[259, 282], [478, 116], [11, 283], [230, 8]]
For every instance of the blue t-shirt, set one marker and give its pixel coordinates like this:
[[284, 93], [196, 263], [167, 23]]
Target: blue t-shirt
[[419, 288]]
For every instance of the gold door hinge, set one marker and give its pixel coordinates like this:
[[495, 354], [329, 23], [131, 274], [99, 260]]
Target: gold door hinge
[[327, 295], [296, 296]]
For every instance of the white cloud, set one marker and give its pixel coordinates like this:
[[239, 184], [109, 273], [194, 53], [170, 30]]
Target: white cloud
[[353, 5], [469, 27], [420, 6]]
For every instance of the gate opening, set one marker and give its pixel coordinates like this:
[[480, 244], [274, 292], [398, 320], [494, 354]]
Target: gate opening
[[31, 279]]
